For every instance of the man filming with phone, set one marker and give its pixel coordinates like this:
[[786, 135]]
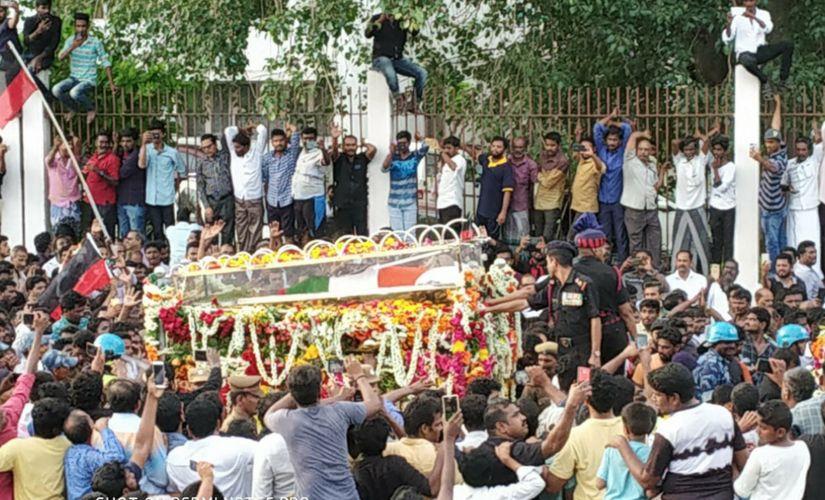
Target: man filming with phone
[[86, 53]]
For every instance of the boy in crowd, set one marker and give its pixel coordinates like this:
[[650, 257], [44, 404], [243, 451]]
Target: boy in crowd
[[777, 468], [613, 475]]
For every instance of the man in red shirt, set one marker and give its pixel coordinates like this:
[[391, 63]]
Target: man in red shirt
[[101, 172]]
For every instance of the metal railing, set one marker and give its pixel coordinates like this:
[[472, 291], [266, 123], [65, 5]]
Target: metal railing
[[471, 114]]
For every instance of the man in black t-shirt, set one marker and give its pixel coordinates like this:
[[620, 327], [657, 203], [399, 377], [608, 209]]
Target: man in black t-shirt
[[389, 39], [349, 174]]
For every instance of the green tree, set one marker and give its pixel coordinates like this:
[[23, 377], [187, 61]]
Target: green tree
[[480, 43]]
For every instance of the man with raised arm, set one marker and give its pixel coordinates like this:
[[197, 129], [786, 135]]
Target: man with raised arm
[[642, 180], [245, 168], [747, 29], [772, 201], [316, 432], [610, 136]]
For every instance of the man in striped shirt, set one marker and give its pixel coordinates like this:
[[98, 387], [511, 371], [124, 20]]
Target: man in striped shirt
[[772, 201], [402, 165], [87, 53]]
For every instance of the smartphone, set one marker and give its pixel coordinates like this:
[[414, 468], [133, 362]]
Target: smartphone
[[193, 465], [155, 135], [449, 406], [522, 378], [200, 355], [91, 350], [578, 148], [641, 341], [28, 319], [159, 373], [583, 374], [335, 366], [764, 366]]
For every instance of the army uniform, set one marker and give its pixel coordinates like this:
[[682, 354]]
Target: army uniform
[[611, 294], [571, 305]]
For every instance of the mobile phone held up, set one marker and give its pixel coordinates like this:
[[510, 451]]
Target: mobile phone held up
[[449, 406], [335, 366], [200, 355], [764, 366], [583, 374], [28, 319], [641, 341], [91, 350], [159, 373]]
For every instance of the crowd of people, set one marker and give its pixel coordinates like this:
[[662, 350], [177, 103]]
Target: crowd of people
[[639, 376]]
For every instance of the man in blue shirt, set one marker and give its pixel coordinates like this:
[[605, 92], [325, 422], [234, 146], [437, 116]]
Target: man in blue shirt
[[402, 164], [87, 53], [713, 367], [278, 169], [83, 459], [610, 135], [164, 170]]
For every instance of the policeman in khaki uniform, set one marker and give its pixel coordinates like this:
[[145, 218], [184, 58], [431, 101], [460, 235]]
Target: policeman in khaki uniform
[[573, 310], [244, 394]]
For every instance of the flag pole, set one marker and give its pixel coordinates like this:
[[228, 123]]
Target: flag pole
[[69, 148]]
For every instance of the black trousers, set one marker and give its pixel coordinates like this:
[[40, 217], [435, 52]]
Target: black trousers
[[351, 220], [159, 217], [285, 217], [753, 60], [225, 209], [722, 223], [614, 340], [304, 218]]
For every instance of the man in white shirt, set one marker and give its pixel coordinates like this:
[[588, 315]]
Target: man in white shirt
[[806, 269], [642, 180], [272, 473], [245, 167], [450, 196], [722, 200], [690, 226], [231, 457], [803, 200], [692, 283], [308, 184], [747, 28]]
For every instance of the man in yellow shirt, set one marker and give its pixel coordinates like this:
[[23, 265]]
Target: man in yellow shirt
[[585, 188], [423, 425], [37, 462], [582, 454]]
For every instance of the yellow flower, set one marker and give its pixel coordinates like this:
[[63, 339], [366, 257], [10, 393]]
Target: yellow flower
[[483, 354], [311, 353], [458, 346]]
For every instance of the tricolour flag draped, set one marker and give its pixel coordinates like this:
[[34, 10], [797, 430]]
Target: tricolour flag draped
[[15, 88]]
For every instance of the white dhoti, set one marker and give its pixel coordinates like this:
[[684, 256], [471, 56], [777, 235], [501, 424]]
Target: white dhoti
[[803, 225]]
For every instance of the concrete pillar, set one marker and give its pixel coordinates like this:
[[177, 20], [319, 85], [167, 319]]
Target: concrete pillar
[[13, 209], [746, 133], [379, 133], [37, 136]]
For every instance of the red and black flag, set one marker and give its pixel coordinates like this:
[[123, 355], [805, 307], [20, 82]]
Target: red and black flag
[[15, 85], [85, 273]]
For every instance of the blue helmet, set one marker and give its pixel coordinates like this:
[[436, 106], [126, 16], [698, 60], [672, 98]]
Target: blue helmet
[[112, 345], [789, 335], [722, 332]]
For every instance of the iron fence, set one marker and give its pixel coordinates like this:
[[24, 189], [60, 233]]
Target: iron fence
[[472, 115]]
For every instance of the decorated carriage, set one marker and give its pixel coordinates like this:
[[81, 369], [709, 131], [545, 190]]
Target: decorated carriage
[[405, 301]]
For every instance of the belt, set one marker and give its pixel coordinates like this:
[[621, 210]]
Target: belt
[[609, 318]]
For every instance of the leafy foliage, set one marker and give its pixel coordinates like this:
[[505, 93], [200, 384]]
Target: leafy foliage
[[484, 43]]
